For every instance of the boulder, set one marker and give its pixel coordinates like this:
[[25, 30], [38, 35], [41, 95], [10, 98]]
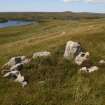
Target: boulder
[[41, 54], [16, 76], [81, 58], [72, 49], [15, 60]]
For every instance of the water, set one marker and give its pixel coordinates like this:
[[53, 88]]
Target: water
[[11, 23]]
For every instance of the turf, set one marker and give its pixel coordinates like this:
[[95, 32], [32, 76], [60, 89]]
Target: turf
[[53, 80]]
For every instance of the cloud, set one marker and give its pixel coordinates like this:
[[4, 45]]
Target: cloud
[[66, 1], [89, 1], [96, 1]]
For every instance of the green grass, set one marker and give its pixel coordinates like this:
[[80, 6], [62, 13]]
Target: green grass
[[52, 80]]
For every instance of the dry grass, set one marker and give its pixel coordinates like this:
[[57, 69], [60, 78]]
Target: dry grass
[[54, 81]]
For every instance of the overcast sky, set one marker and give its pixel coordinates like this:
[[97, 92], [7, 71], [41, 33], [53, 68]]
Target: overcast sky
[[52, 5]]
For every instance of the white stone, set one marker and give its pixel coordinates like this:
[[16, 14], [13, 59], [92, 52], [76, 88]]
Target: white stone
[[41, 54], [70, 50], [26, 61], [102, 62], [24, 83], [84, 69], [91, 69], [12, 61], [11, 72], [79, 59], [19, 78]]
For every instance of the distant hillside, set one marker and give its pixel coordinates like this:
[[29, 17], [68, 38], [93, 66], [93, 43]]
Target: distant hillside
[[40, 16]]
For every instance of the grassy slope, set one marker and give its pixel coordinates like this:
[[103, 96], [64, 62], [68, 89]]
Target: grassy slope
[[63, 84]]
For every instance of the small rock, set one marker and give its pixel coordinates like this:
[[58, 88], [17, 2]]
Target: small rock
[[102, 62], [91, 69]]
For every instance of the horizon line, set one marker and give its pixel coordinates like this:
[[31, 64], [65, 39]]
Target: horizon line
[[50, 12]]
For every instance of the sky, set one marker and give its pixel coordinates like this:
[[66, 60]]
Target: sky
[[52, 5]]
